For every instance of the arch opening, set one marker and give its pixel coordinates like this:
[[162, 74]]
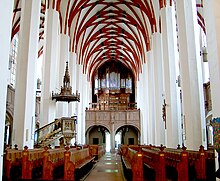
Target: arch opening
[[97, 135], [127, 135]]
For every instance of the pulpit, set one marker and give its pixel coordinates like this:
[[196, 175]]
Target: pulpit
[[69, 128]]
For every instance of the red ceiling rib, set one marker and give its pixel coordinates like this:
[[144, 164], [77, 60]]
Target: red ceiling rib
[[102, 31], [104, 16]]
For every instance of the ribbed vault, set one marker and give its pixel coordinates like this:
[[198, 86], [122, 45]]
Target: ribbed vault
[[101, 30], [105, 30]]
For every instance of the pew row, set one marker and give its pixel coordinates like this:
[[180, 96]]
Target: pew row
[[155, 160], [132, 164], [32, 161], [167, 163], [201, 164], [47, 164], [177, 160], [77, 163], [53, 163], [97, 151], [12, 164]]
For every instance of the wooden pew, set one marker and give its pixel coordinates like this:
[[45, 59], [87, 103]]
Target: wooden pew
[[197, 162], [97, 151], [178, 159], [53, 161], [155, 159], [77, 163], [12, 164], [132, 160], [32, 163], [178, 162], [210, 164]]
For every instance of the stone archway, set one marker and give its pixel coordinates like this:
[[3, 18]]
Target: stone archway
[[96, 134], [112, 121], [129, 135]]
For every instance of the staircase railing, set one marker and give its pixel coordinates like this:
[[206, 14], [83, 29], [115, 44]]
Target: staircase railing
[[47, 132], [64, 127]]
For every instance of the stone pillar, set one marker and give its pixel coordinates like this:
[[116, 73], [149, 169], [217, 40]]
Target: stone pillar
[[191, 75], [112, 136], [158, 83], [77, 103], [48, 107], [212, 21], [5, 36], [142, 104], [62, 107], [72, 71], [150, 97], [83, 106], [90, 92], [24, 105], [80, 87], [171, 97], [143, 90], [212, 14]]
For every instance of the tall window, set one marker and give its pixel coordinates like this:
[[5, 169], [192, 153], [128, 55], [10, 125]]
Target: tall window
[[13, 61]]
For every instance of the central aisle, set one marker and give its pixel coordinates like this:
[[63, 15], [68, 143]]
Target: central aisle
[[108, 168]]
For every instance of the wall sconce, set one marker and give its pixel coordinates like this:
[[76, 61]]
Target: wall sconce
[[204, 54]]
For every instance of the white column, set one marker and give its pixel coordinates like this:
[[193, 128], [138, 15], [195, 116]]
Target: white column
[[191, 75], [48, 107], [72, 71], [79, 86], [141, 105], [90, 93], [146, 103], [212, 20], [83, 108], [24, 106], [77, 103], [143, 100], [112, 136], [5, 36], [62, 107], [169, 69], [151, 98], [158, 83], [139, 93]]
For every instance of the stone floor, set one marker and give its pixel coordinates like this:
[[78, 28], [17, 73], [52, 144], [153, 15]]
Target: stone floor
[[108, 168]]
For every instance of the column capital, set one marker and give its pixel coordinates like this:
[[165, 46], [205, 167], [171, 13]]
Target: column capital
[[52, 4], [165, 3]]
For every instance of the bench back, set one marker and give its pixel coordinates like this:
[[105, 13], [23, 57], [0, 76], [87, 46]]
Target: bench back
[[155, 159], [78, 156], [12, 158], [31, 158]]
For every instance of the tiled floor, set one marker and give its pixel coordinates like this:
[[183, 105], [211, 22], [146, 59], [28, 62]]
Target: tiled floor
[[108, 168]]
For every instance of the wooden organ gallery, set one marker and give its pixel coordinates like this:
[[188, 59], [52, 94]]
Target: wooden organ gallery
[[113, 87], [86, 81]]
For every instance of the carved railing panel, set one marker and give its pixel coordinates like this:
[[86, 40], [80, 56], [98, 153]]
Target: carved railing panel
[[119, 118]]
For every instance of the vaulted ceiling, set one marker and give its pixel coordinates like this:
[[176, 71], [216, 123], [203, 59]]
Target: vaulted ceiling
[[103, 30]]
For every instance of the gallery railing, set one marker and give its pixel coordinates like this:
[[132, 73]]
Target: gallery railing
[[112, 106]]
